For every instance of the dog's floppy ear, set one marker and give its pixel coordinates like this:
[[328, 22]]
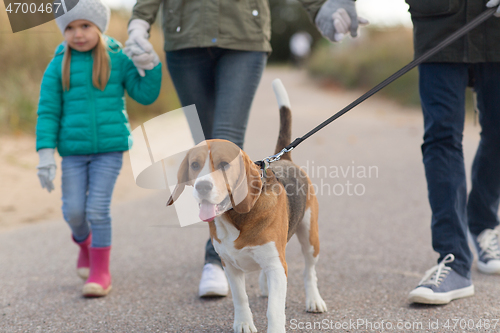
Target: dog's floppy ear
[[254, 186], [182, 179]]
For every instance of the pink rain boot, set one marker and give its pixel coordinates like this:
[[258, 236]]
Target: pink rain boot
[[99, 281], [83, 262]]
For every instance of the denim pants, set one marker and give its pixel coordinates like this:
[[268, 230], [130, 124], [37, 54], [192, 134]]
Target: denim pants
[[442, 93], [87, 186], [222, 84]]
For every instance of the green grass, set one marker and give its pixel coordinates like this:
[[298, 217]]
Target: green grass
[[24, 57]]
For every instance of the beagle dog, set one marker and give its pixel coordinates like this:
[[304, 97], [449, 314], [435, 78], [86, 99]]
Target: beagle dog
[[268, 207]]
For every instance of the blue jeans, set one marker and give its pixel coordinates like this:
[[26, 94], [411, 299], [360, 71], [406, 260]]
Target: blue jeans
[[87, 186], [222, 84], [442, 93]]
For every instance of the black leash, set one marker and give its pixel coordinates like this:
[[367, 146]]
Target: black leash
[[457, 34]]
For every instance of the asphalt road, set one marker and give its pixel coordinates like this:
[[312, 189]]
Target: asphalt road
[[374, 231]]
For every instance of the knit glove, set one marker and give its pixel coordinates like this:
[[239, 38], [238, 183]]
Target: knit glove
[[336, 18], [494, 3], [46, 168], [138, 48]]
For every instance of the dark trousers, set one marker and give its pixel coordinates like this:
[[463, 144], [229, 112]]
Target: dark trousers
[[442, 93], [222, 84]]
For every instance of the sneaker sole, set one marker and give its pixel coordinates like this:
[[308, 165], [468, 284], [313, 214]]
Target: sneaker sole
[[213, 293], [440, 298], [484, 268]]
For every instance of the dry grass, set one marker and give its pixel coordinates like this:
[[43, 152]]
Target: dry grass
[[369, 59], [24, 57]]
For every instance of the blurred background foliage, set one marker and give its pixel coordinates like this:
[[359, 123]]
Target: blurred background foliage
[[357, 63], [367, 60], [287, 18]]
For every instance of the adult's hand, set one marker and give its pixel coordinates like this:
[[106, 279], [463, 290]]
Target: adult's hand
[[142, 60], [138, 48], [336, 18], [494, 3], [46, 168]]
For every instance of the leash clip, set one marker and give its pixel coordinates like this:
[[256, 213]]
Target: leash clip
[[277, 157], [264, 164]]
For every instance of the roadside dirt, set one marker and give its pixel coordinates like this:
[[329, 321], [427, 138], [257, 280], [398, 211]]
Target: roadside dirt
[[22, 199]]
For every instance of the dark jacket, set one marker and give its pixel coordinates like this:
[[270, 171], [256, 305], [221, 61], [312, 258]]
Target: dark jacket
[[434, 20]]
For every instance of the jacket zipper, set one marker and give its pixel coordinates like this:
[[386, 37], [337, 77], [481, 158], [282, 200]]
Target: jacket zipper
[[92, 105]]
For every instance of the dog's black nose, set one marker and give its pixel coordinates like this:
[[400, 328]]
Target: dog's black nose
[[204, 187]]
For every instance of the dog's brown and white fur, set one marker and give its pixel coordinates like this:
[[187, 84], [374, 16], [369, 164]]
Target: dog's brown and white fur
[[253, 235]]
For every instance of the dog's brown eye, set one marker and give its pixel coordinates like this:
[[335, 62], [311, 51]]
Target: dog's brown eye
[[195, 165], [224, 166]]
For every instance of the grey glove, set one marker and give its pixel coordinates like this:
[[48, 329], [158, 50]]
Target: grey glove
[[494, 3], [46, 168], [138, 48], [336, 18], [142, 60]]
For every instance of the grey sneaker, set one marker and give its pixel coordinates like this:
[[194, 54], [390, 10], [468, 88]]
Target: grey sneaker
[[488, 251], [441, 284]]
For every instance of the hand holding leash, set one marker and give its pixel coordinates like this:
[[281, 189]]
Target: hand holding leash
[[336, 18], [46, 168], [494, 3], [138, 48]]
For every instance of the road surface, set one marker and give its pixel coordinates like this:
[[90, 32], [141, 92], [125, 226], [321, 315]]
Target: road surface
[[374, 231]]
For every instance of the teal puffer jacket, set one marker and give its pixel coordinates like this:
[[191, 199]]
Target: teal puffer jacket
[[86, 120]]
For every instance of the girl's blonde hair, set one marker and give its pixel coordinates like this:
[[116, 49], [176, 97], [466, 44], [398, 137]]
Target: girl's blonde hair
[[100, 71]]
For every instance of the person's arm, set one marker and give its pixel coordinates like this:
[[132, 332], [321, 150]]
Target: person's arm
[[137, 47], [143, 89], [312, 7], [47, 126], [146, 10], [49, 107]]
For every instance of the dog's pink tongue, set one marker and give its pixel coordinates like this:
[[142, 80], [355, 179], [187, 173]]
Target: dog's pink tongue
[[207, 211]]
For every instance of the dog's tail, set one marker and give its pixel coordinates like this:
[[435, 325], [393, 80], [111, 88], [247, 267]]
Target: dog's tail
[[285, 134]]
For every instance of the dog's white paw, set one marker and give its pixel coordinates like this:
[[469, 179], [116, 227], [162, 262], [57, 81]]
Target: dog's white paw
[[244, 327], [263, 284], [315, 304]]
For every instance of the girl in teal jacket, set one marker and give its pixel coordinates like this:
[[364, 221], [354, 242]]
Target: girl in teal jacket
[[82, 113]]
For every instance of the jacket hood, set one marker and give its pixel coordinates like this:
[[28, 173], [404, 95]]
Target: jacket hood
[[112, 44]]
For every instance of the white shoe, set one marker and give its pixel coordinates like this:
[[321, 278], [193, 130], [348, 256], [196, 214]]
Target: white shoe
[[213, 281]]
